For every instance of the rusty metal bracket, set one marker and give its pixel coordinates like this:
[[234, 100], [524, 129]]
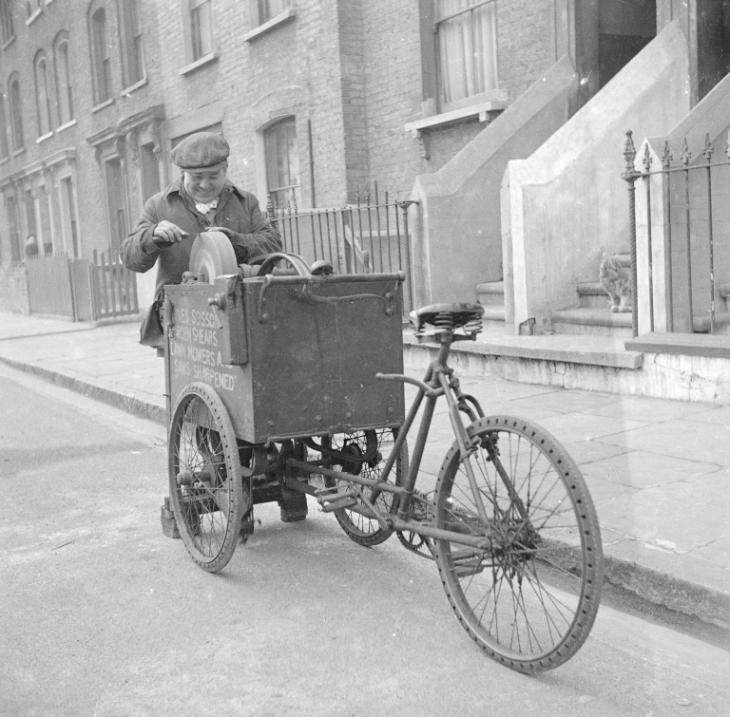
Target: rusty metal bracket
[[306, 295], [304, 291]]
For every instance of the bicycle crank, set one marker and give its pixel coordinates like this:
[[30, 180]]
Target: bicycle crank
[[416, 543]]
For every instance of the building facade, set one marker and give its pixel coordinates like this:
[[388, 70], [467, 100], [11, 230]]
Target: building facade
[[319, 100]]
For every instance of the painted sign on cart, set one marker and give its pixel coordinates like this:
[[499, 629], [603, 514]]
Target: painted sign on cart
[[194, 352]]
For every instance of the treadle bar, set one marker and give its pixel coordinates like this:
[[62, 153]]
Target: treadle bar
[[392, 521], [339, 475], [300, 486]]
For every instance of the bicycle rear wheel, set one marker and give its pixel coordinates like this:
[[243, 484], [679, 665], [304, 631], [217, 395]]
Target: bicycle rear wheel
[[529, 594], [364, 453]]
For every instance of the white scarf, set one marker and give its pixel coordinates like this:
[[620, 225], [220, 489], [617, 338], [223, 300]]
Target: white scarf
[[204, 208]]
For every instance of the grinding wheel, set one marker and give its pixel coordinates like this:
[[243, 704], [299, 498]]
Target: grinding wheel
[[212, 255]]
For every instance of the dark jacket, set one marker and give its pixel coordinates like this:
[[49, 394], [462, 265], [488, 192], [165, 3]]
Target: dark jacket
[[252, 235]]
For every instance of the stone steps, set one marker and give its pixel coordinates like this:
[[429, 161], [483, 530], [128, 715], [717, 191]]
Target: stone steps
[[592, 295], [491, 293], [591, 321], [592, 316]]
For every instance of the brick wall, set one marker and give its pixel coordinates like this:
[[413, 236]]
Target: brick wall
[[394, 82], [525, 42], [392, 72], [72, 139]]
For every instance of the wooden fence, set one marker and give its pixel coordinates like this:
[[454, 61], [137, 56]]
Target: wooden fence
[[80, 289]]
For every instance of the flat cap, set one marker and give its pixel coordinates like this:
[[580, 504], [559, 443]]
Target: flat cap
[[200, 150]]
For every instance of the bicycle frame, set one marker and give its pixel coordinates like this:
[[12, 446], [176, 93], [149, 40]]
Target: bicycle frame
[[438, 381]]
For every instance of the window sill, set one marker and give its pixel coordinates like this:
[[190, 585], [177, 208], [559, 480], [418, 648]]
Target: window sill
[[201, 62], [34, 16], [273, 22], [66, 125], [127, 91], [102, 105], [5, 159], [480, 109], [7, 43], [17, 152], [44, 137]]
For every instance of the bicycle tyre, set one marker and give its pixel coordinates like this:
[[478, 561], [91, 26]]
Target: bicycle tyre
[[530, 599], [205, 477], [360, 528]]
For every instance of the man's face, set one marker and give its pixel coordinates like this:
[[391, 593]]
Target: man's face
[[204, 185]]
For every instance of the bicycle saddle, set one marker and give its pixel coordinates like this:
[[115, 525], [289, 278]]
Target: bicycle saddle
[[447, 316]]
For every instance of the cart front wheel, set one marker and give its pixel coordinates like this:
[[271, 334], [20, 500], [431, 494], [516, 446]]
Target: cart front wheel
[[525, 578], [207, 488]]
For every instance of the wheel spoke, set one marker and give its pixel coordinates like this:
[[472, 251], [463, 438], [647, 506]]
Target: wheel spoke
[[530, 599]]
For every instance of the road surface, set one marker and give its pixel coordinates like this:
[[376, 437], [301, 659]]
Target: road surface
[[103, 615]]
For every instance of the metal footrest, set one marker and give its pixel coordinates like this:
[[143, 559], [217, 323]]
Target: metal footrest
[[167, 519], [293, 506], [336, 498]]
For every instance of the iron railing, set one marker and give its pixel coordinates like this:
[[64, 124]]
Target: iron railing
[[365, 237], [682, 210]]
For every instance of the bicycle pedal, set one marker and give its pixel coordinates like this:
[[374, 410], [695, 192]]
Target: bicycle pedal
[[468, 564], [333, 499]]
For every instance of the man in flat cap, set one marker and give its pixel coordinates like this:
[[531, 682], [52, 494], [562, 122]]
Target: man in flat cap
[[202, 199]]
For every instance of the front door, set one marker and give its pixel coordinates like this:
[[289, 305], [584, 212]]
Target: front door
[[624, 28]]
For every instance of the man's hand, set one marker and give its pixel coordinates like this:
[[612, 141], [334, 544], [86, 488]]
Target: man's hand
[[166, 234], [236, 240]]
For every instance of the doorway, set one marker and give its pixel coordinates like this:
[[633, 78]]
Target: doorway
[[625, 27], [713, 43]]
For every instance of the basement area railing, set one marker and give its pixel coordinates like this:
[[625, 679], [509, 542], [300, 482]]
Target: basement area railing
[[679, 229]]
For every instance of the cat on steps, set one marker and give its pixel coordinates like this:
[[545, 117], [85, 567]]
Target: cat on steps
[[615, 278]]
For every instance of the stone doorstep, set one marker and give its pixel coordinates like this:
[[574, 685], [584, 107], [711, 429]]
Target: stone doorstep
[[566, 348], [490, 294], [494, 313], [591, 295], [707, 345], [592, 316], [602, 351]]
